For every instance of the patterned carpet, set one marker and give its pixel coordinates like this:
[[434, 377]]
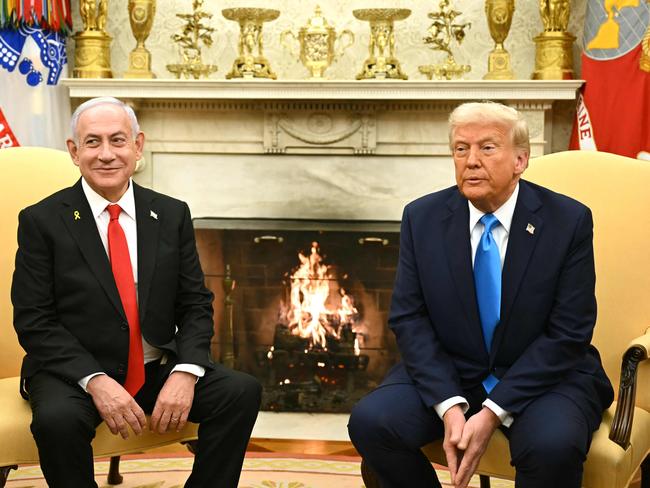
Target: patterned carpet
[[261, 470]]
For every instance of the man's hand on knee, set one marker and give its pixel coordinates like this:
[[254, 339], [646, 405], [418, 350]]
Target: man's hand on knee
[[454, 421], [116, 406], [477, 433], [173, 403]]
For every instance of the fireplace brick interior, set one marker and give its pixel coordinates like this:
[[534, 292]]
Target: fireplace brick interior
[[261, 261]]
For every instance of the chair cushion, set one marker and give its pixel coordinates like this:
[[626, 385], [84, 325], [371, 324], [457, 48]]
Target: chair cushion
[[607, 466], [18, 447]]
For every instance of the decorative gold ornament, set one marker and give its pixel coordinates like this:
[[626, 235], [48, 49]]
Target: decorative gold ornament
[[554, 46], [193, 33], [441, 33], [141, 14], [499, 18], [92, 54], [381, 62], [317, 39], [251, 62]]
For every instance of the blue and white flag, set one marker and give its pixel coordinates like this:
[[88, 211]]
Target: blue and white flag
[[34, 108]]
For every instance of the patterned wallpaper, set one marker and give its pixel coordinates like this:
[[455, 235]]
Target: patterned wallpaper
[[412, 52]]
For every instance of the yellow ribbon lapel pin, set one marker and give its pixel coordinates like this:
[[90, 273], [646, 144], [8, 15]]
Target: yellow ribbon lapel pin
[[76, 215]]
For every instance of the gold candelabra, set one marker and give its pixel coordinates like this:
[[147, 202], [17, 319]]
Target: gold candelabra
[[317, 44], [382, 62], [499, 18], [442, 31], [193, 34], [251, 63], [554, 46], [141, 14], [92, 54]]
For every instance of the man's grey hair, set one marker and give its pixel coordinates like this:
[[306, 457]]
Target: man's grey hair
[[491, 113], [93, 102]]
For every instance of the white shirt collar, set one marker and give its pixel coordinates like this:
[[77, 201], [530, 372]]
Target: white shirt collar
[[98, 203], [504, 213]]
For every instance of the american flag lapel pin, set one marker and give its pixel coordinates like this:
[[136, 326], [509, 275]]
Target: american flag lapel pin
[[530, 228], [154, 215]]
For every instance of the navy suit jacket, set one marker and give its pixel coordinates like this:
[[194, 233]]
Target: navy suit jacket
[[67, 310], [548, 306]]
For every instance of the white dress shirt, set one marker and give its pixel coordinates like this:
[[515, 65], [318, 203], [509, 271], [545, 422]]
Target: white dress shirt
[[500, 234], [127, 220]]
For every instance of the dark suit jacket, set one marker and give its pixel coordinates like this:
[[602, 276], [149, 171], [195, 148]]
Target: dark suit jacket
[[548, 306], [67, 310]]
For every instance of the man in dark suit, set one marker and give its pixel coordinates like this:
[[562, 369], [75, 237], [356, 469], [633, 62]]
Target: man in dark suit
[[493, 309], [111, 308]]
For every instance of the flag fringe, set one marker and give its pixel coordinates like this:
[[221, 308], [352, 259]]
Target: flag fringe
[[53, 15]]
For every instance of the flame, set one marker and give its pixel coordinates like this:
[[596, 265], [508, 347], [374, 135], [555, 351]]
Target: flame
[[310, 313]]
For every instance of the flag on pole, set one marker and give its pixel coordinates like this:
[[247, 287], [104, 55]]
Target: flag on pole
[[34, 108], [613, 109]]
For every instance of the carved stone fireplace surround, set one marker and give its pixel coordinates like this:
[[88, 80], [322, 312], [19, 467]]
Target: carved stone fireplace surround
[[351, 150]]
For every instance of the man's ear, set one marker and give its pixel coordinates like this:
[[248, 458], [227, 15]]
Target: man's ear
[[139, 145], [72, 149], [521, 162]]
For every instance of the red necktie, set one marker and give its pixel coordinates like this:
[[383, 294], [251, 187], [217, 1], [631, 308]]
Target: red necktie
[[118, 252]]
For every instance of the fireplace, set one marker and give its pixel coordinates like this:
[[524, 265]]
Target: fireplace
[[302, 305]]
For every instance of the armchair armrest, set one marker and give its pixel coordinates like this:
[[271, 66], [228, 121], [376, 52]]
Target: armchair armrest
[[638, 350]]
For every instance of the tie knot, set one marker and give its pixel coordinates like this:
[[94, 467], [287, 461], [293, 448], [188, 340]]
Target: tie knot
[[114, 211], [489, 221]]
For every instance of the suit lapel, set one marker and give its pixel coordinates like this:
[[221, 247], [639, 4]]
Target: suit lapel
[[458, 249], [524, 233], [80, 222], [148, 225]]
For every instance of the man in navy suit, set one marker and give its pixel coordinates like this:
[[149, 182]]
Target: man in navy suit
[[108, 341], [509, 349]]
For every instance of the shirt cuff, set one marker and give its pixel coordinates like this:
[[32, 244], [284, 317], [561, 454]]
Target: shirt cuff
[[505, 417], [195, 369], [83, 382], [441, 408]]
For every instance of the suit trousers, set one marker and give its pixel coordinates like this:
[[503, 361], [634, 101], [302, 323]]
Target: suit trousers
[[548, 441], [64, 419]]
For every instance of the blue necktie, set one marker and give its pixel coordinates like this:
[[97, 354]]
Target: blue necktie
[[487, 280]]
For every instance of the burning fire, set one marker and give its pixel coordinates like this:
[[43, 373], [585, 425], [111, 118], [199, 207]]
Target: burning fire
[[311, 312]]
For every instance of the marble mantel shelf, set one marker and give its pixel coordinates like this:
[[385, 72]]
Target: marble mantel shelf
[[422, 90]]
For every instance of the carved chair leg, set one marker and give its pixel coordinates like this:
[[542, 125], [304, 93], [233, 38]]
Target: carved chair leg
[[369, 477], [645, 473], [485, 481], [4, 474], [114, 477]]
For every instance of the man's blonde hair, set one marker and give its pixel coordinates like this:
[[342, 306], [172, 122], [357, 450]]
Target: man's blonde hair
[[491, 113]]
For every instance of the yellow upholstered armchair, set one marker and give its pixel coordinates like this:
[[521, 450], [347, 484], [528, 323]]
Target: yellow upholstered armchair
[[28, 175], [617, 190]]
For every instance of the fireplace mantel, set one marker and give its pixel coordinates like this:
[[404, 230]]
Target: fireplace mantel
[[333, 149], [387, 90]]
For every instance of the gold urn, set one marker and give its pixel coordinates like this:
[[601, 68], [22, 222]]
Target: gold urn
[[317, 40], [499, 15], [141, 14]]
